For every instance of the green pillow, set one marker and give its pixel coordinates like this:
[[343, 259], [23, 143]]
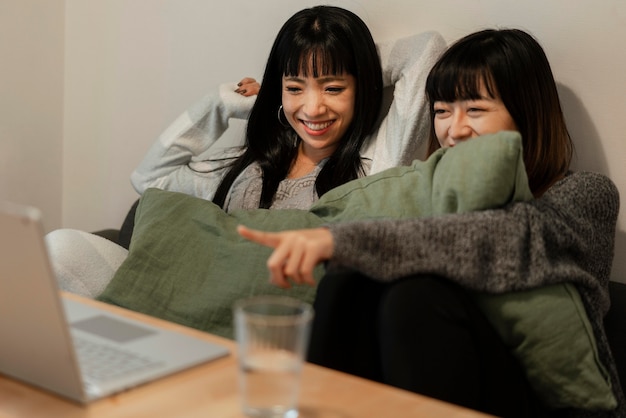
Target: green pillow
[[187, 263], [486, 172], [549, 332]]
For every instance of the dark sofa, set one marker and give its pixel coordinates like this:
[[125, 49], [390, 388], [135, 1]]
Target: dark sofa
[[615, 326]]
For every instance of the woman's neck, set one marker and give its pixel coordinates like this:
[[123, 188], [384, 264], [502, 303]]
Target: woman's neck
[[301, 166], [306, 160]]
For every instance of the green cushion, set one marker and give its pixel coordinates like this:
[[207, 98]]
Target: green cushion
[[483, 173], [187, 263], [549, 332]]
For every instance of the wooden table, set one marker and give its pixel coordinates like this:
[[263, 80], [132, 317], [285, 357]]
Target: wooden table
[[210, 390]]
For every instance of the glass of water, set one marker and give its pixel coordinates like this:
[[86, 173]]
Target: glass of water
[[272, 335]]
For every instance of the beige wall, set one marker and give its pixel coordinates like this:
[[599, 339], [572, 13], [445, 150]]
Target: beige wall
[[131, 66], [31, 104]]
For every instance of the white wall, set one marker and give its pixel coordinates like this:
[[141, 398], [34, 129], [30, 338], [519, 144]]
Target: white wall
[[31, 104], [131, 66]]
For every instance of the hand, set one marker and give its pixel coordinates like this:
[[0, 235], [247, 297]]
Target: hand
[[296, 253], [248, 87]]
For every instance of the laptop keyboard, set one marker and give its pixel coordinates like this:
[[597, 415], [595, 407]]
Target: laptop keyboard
[[101, 362]]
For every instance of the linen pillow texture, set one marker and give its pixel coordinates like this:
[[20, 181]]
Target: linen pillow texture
[[549, 332], [187, 264]]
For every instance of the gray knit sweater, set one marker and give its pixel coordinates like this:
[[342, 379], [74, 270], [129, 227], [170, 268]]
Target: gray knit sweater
[[567, 235]]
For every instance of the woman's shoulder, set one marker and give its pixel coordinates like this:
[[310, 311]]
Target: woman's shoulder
[[588, 181], [591, 190], [216, 159]]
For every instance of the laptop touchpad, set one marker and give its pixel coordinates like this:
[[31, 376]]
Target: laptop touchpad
[[113, 329]]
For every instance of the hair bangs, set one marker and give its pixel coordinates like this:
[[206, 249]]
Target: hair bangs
[[319, 60], [462, 75], [462, 84]]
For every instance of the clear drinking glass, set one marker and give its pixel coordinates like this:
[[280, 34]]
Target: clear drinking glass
[[272, 334]]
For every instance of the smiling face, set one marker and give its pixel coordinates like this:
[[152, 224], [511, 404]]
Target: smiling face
[[320, 110], [465, 119]]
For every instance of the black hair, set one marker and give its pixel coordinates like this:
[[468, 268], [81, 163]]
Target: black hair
[[334, 41], [513, 67]]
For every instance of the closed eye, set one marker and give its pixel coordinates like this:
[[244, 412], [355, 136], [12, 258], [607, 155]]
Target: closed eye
[[292, 89], [335, 90], [441, 113]]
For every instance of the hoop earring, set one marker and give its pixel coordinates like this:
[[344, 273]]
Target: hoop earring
[[285, 124]]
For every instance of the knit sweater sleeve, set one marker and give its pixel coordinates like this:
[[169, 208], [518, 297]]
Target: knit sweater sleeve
[[403, 133], [567, 235], [180, 158]]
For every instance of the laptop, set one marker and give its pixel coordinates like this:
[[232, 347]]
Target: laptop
[[71, 348]]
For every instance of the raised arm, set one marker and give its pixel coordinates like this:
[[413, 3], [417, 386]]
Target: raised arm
[[171, 163], [403, 133]]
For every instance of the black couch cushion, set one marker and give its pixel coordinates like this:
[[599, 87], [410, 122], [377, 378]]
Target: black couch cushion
[[615, 327]]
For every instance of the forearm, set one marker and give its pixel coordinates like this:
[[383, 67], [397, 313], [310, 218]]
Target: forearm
[[193, 134], [403, 133], [404, 58], [459, 247], [524, 245]]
